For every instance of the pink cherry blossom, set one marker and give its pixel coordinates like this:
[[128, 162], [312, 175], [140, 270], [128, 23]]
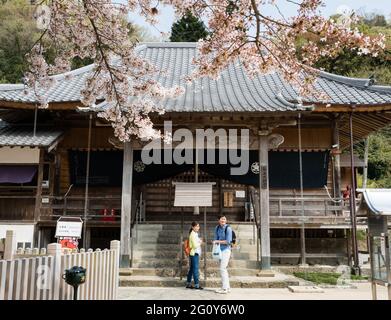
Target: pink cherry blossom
[[240, 32]]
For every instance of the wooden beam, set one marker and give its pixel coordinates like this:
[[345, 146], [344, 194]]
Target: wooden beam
[[348, 108], [126, 205], [32, 106]]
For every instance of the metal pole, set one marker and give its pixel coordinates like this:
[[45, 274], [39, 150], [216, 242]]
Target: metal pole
[[356, 267], [196, 209], [371, 255], [87, 182], [181, 247], [302, 231], [336, 160], [75, 292], [365, 173], [205, 241], [35, 120]]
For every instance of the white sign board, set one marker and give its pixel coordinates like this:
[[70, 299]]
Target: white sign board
[[68, 229], [240, 194], [193, 194]]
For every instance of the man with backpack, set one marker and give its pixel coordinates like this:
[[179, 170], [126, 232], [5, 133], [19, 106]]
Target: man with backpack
[[223, 236]]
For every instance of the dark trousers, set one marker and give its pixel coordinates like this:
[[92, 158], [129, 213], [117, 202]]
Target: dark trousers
[[193, 271]]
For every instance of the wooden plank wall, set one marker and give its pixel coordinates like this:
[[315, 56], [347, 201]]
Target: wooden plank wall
[[17, 209], [159, 199]]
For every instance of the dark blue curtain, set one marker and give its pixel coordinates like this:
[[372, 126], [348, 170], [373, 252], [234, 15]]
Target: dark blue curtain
[[106, 169]]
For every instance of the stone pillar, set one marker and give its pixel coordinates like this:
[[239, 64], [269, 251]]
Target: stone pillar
[[126, 205], [10, 245], [54, 249], [266, 142]]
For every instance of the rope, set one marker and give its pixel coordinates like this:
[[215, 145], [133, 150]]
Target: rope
[[331, 199]]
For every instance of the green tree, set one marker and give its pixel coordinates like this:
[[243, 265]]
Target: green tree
[[349, 63], [18, 33], [188, 29]]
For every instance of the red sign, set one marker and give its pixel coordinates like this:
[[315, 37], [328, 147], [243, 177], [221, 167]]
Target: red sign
[[68, 242]]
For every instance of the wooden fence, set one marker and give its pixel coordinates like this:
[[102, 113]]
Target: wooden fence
[[40, 277]]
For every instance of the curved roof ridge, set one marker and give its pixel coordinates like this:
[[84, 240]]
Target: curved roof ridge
[[11, 87], [354, 82], [170, 44]]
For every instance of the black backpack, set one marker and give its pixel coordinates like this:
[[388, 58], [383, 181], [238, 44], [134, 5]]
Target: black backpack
[[233, 242]]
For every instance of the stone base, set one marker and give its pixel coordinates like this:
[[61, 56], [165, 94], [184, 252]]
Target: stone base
[[280, 281], [266, 273], [305, 289]]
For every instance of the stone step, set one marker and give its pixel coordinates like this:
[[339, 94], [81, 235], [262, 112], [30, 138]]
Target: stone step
[[174, 254], [235, 282], [176, 240], [173, 225], [151, 246], [155, 247], [243, 232], [173, 263], [177, 230], [173, 272]]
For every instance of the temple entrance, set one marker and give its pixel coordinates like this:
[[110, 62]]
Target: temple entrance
[[229, 198]]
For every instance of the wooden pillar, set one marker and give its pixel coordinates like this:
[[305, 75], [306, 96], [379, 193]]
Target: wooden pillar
[[38, 198], [196, 173], [88, 238], [220, 191], [264, 200], [336, 162], [126, 205]]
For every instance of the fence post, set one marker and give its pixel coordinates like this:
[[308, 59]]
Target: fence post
[[10, 245], [115, 245], [54, 249]]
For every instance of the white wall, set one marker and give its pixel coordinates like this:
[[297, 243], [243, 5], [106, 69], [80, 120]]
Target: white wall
[[19, 155], [24, 232]]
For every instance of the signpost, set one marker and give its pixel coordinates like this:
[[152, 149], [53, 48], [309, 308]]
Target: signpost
[[68, 232], [193, 194]]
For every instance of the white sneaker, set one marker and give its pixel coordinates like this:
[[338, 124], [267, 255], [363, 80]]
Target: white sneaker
[[223, 291]]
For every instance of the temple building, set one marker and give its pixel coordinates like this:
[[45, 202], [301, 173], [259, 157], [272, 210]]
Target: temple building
[[65, 161]]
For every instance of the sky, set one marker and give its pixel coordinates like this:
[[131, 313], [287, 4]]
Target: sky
[[167, 16]]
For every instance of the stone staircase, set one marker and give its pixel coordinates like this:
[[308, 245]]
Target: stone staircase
[[157, 259]]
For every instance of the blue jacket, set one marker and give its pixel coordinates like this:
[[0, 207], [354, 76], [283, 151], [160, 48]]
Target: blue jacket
[[220, 234]]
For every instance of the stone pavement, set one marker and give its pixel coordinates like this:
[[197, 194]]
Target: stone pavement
[[361, 292]]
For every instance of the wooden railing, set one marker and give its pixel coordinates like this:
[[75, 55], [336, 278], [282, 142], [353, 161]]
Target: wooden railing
[[39, 277], [107, 208], [308, 206]]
